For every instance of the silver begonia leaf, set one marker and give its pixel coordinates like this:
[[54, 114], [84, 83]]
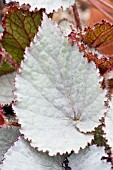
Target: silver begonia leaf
[[6, 88], [89, 159], [22, 156], [109, 125], [49, 5], [58, 93], [7, 137]]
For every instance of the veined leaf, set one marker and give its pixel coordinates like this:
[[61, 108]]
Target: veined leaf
[[5, 67], [58, 93], [20, 27], [6, 88], [89, 159], [7, 137], [49, 5], [24, 157], [100, 36]]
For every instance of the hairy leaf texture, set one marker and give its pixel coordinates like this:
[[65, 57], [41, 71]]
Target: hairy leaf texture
[[100, 36], [20, 27], [49, 5], [58, 93], [109, 125], [89, 159], [23, 156], [7, 137], [6, 88]]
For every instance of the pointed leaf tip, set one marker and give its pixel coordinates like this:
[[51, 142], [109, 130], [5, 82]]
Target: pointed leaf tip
[[59, 91]]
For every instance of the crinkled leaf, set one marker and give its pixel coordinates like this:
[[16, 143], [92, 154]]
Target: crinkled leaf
[[20, 27], [89, 159], [23, 156], [59, 91], [49, 5], [7, 137], [109, 125], [99, 36], [6, 88]]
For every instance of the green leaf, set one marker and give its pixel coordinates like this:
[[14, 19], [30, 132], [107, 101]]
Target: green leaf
[[5, 67], [20, 27]]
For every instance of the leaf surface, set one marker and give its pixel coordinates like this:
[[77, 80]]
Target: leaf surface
[[99, 36], [89, 159], [49, 5], [7, 137], [59, 91], [6, 88], [20, 27], [109, 125], [5, 67], [24, 157]]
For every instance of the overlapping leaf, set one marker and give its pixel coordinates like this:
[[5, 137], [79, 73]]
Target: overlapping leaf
[[100, 36], [89, 159], [103, 62], [5, 67], [109, 125], [49, 5], [20, 27], [7, 137], [57, 93], [6, 88], [23, 156]]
